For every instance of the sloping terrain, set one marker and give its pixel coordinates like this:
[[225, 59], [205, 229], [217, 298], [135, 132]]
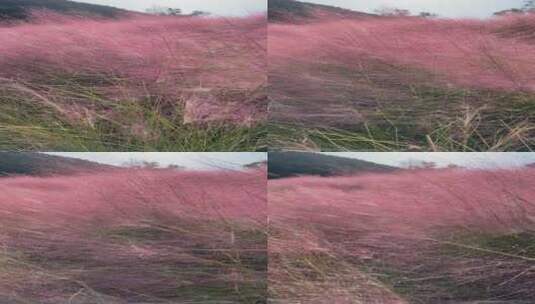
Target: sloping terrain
[[289, 11], [292, 164], [29, 163], [402, 83], [409, 237], [21, 9], [134, 236]]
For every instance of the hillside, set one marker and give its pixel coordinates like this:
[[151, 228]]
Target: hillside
[[291, 164], [296, 11], [42, 164], [18, 9]]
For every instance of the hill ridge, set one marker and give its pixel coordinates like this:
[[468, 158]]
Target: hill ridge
[[18, 9], [293, 164], [40, 164], [299, 11]]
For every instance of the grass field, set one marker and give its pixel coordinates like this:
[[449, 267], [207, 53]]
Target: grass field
[[134, 236], [413, 236], [137, 83], [402, 83]]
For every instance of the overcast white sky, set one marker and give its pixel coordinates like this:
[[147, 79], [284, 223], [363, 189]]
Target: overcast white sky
[[445, 8], [194, 160], [469, 160], [216, 7], [207, 161]]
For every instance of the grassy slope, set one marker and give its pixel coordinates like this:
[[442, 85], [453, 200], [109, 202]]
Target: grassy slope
[[376, 105], [291, 164]]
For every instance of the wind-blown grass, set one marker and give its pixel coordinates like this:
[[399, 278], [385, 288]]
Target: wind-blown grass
[[134, 236], [421, 84], [137, 83], [417, 236]]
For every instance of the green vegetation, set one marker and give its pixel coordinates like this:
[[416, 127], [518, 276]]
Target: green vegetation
[[467, 267], [300, 137], [199, 274], [215, 273], [516, 245], [320, 275], [465, 270], [435, 120], [32, 122]]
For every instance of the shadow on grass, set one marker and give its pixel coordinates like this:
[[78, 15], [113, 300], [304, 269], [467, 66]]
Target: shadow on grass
[[140, 263]]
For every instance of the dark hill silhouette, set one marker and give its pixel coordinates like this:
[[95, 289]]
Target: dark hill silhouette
[[291, 164], [256, 164], [30, 163], [18, 9], [299, 12]]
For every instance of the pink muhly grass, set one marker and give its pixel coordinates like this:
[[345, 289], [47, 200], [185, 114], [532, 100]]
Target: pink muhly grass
[[133, 235], [345, 236], [419, 201], [140, 56], [140, 192], [469, 53]]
